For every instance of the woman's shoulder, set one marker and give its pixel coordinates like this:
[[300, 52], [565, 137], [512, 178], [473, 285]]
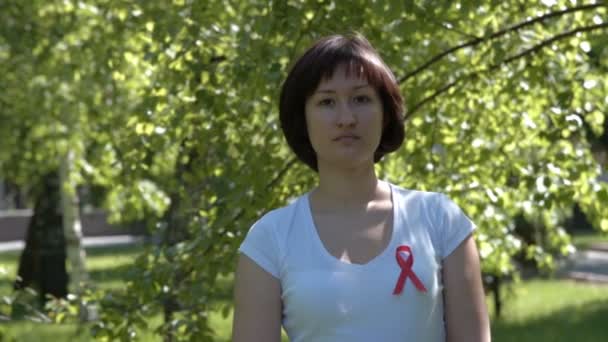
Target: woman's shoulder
[[276, 216], [409, 194], [432, 203]]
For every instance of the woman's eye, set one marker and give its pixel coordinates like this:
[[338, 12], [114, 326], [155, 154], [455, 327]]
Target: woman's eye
[[362, 99], [326, 102]]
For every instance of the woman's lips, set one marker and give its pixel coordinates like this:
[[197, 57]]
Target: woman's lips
[[347, 137]]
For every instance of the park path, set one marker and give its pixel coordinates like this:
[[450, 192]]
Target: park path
[[91, 241], [588, 265]]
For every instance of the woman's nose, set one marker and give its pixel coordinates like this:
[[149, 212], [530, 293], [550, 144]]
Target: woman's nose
[[346, 115]]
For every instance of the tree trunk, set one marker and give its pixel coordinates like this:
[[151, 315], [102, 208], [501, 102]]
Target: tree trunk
[[72, 227], [42, 262], [3, 201], [72, 230], [177, 231], [495, 288]]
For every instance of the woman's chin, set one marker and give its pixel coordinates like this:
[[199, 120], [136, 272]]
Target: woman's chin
[[346, 162]]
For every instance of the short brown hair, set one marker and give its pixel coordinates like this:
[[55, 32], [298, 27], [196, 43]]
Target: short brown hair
[[319, 62]]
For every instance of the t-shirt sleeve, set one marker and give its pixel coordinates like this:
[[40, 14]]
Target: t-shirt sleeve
[[261, 246], [452, 226]]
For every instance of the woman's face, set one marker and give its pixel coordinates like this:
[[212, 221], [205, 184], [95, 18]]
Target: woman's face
[[344, 120]]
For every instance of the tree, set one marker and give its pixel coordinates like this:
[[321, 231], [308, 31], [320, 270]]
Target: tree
[[172, 106], [47, 115], [42, 262]]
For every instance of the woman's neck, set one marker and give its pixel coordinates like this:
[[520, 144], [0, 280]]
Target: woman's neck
[[348, 190]]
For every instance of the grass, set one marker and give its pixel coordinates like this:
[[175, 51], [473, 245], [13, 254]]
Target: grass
[[554, 310], [107, 267], [536, 310], [584, 239]]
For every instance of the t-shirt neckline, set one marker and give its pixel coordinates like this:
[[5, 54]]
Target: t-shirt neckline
[[327, 255]]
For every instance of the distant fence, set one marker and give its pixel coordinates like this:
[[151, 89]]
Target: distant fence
[[13, 225]]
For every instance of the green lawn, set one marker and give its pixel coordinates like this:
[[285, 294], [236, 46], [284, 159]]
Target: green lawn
[[583, 240], [554, 310], [537, 310]]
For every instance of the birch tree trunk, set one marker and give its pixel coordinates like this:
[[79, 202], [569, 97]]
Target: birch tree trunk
[[72, 229]]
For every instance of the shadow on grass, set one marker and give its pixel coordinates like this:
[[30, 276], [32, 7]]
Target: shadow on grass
[[99, 275], [111, 275], [582, 323], [18, 331], [12, 257], [128, 249]]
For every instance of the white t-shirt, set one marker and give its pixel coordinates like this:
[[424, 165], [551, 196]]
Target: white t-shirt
[[329, 300]]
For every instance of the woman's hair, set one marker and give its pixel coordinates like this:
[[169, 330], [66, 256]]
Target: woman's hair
[[319, 62]]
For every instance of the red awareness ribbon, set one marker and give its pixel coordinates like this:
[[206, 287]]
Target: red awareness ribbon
[[406, 270]]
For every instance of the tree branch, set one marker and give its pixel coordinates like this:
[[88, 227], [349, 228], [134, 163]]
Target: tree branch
[[241, 211], [524, 53], [270, 184], [546, 42], [451, 27], [494, 35]]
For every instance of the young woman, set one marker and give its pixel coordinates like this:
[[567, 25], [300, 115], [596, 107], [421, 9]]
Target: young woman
[[356, 258]]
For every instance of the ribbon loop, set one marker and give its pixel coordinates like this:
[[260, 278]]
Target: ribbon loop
[[406, 270]]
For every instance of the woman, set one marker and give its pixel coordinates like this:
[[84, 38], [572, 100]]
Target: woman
[[356, 258]]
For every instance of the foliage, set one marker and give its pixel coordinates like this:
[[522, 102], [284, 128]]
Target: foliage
[[171, 106]]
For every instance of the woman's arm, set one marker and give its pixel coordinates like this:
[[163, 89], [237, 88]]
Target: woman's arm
[[257, 304], [465, 309]]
